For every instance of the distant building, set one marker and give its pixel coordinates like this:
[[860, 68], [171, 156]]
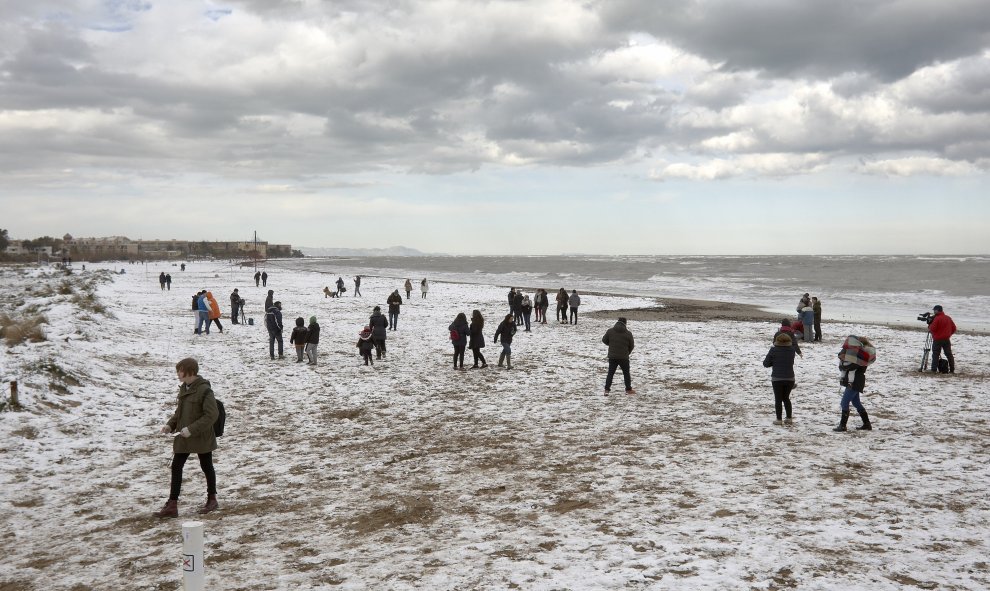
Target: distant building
[[121, 247]]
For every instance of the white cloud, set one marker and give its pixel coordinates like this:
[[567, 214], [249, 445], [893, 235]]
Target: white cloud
[[771, 165], [919, 165]]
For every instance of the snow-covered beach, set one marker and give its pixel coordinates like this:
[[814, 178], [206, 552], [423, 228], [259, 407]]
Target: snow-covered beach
[[410, 475]]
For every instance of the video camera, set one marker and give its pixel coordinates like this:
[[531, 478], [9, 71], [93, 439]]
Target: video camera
[[927, 317]]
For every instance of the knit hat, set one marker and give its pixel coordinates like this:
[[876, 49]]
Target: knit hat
[[937, 308], [312, 319], [622, 319]]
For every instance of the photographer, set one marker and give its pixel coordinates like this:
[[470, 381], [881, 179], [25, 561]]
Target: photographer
[[942, 328]]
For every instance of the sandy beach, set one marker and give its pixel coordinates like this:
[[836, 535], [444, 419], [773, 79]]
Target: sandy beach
[[411, 475]]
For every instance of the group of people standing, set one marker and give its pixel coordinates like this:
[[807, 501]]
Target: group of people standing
[[206, 311]]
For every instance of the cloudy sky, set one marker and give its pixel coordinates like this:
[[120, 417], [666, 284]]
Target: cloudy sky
[[502, 127]]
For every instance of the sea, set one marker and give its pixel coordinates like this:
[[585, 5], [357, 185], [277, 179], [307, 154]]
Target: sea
[[868, 288]]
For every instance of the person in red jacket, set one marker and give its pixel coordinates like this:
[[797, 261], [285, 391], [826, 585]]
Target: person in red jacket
[[942, 328]]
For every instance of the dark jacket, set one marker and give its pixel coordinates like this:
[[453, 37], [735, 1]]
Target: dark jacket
[[462, 329], [517, 301], [313, 336], [235, 300], [269, 301], [477, 330], [273, 320], [161, 279], [506, 329], [575, 300], [619, 340], [379, 325], [298, 336], [781, 359], [366, 346], [196, 409], [857, 373], [394, 301]]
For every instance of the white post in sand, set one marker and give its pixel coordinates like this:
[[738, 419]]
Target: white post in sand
[[193, 575]]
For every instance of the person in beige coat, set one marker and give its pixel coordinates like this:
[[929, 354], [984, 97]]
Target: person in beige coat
[[192, 423]]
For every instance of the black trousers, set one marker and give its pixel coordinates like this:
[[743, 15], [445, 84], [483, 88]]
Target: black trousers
[[937, 348], [459, 354], [573, 315], [379, 346], [621, 363], [782, 397], [272, 338], [205, 462], [478, 356]]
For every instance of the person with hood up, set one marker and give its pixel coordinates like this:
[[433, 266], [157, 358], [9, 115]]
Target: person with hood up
[[856, 355], [379, 331], [459, 330], [516, 306], [562, 298], [270, 299], [312, 340], [620, 344], [408, 287], [505, 329], [298, 338], [340, 286], [781, 358], [214, 313], [264, 279], [273, 322], [161, 280], [574, 302], [394, 302], [477, 340], [168, 280], [257, 278], [192, 422], [424, 287], [365, 344], [942, 328]]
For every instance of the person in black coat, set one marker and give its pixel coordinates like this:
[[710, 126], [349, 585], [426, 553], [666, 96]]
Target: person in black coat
[[257, 278], [461, 328], [477, 339], [168, 281], [235, 306], [781, 358], [273, 322], [394, 302], [270, 299], [312, 340], [379, 331], [505, 330], [161, 280], [264, 279]]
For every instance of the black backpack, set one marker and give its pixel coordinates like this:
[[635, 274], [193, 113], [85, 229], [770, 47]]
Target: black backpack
[[221, 420]]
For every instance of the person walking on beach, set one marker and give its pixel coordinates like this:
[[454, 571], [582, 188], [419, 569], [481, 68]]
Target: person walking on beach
[[264, 278], [257, 278], [459, 330], [942, 328], [856, 355], [574, 302], [357, 285], [424, 287], [477, 341], [379, 331], [394, 302], [365, 345], [273, 322], [182, 267], [543, 304], [197, 322], [298, 338], [340, 286], [620, 344], [408, 287], [562, 305], [526, 308], [312, 340], [816, 306], [214, 312], [270, 299], [168, 280], [505, 329], [781, 358], [195, 412], [511, 296], [161, 280]]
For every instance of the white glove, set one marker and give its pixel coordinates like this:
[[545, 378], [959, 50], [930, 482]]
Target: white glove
[[166, 430], [185, 432]]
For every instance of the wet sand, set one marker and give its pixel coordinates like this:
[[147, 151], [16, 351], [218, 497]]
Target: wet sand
[[686, 310]]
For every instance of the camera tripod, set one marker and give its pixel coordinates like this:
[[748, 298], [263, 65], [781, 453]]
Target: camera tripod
[[925, 352]]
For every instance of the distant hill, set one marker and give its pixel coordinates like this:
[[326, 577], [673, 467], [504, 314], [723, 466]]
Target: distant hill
[[392, 251]]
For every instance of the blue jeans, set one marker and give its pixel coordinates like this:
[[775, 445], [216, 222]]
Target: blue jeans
[[393, 320], [204, 319], [526, 318], [852, 396]]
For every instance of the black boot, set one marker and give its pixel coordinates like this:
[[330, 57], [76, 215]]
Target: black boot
[[508, 361], [866, 426], [501, 359], [843, 421]]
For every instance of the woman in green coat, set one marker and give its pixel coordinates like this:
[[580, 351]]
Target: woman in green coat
[[192, 423]]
